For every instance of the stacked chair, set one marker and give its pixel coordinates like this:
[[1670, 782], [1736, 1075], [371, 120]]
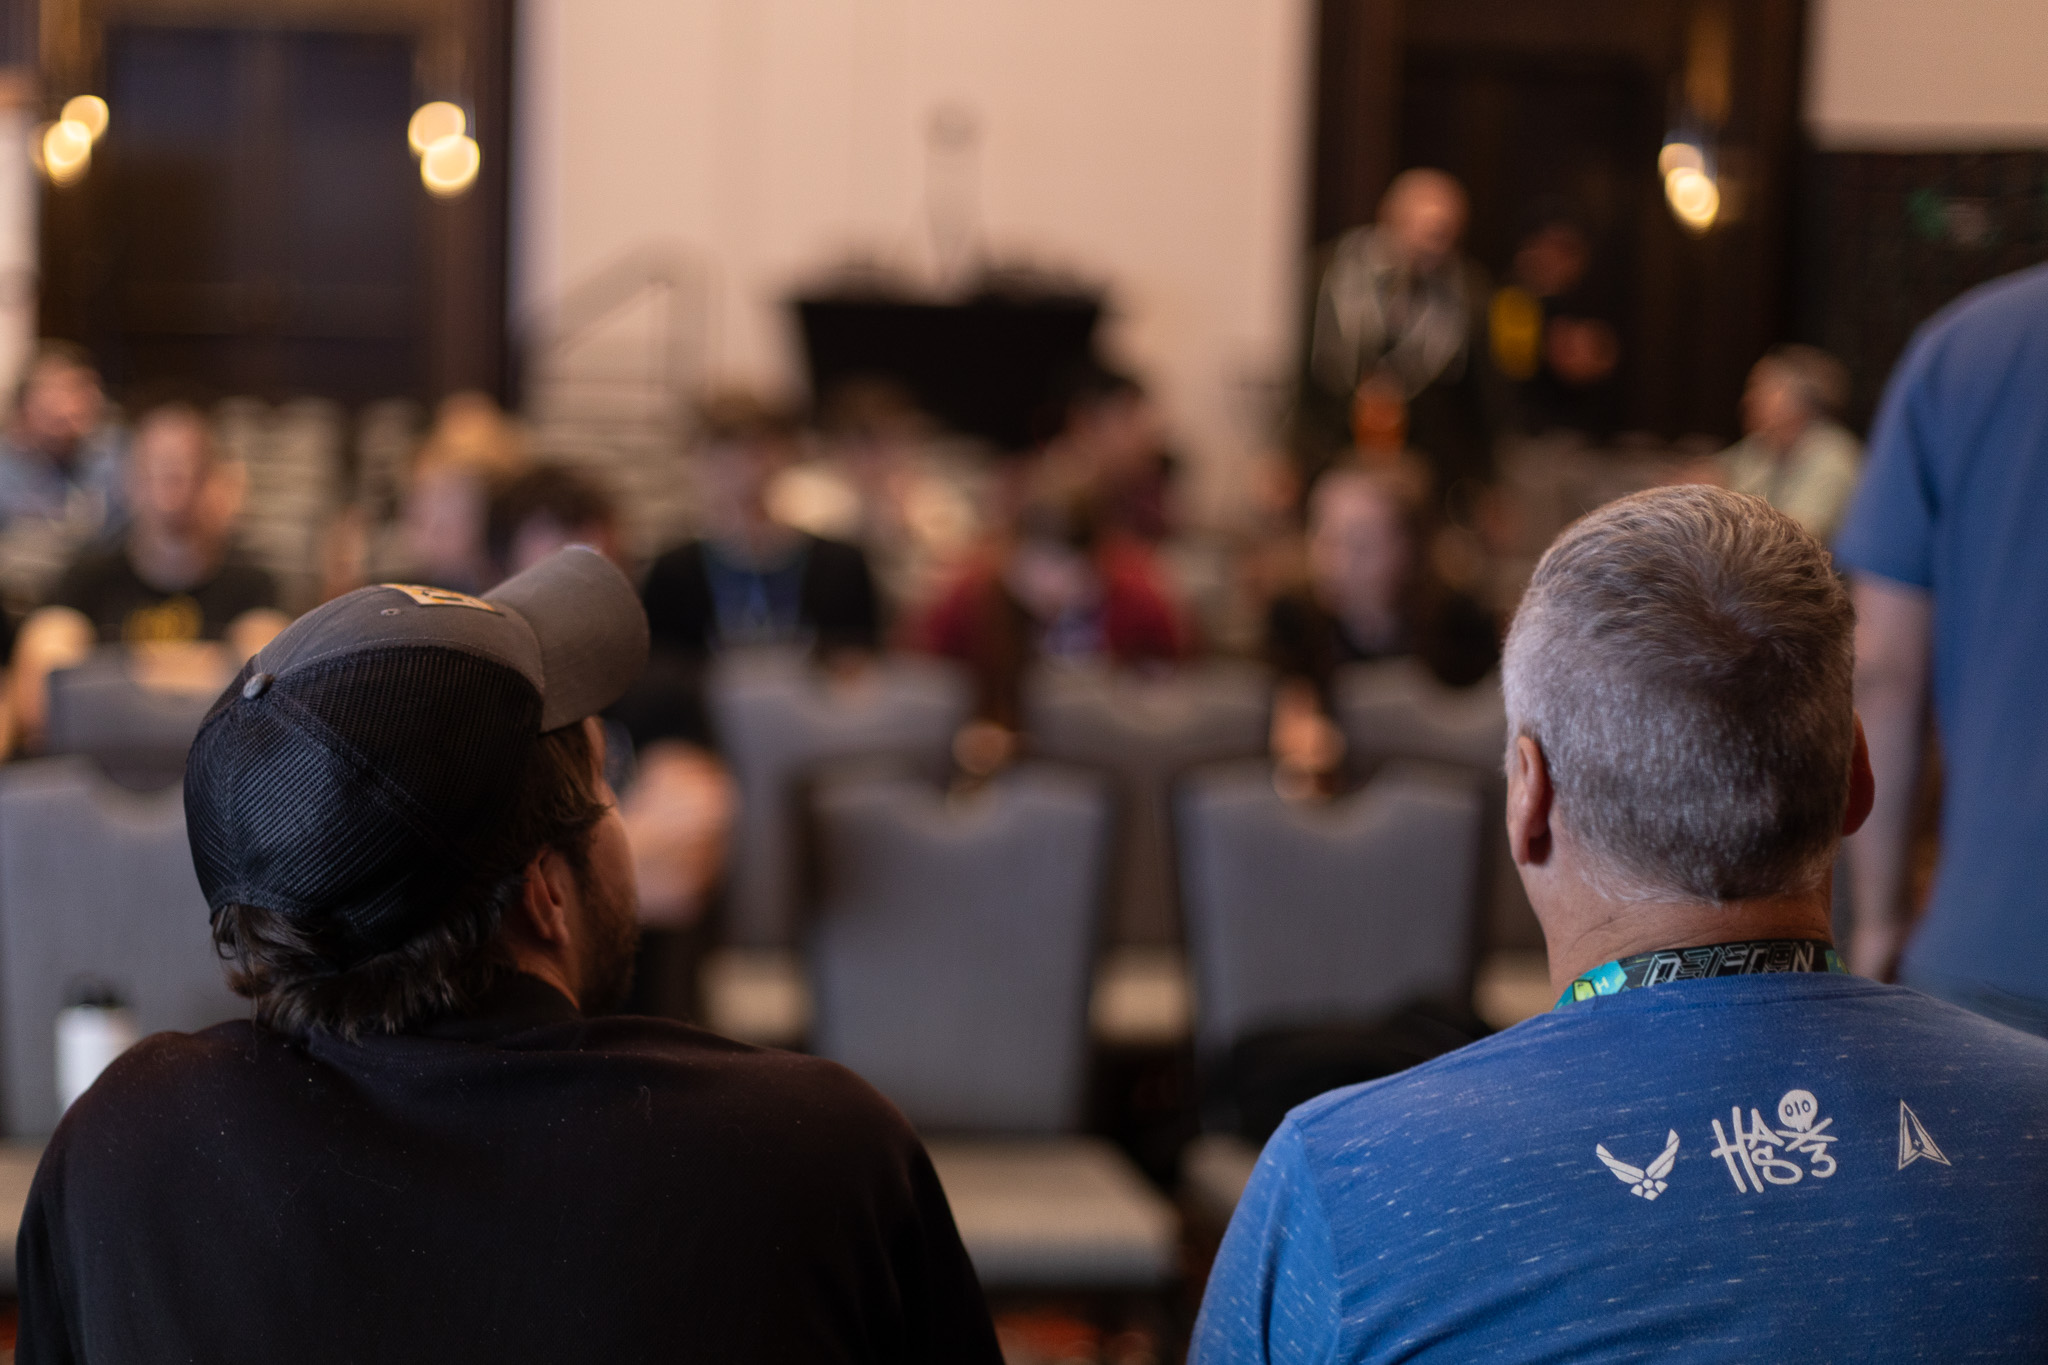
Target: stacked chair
[[1310, 915], [293, 456], [951, 961]]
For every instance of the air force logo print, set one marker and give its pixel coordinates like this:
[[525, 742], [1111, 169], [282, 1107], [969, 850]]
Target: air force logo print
[[1645, 1181], [1758, 1154]]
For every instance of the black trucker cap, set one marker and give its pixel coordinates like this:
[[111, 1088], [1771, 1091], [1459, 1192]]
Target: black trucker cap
[[351, 774]]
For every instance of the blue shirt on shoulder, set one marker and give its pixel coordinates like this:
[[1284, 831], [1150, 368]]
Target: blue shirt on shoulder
[[1955, 500], [1795, 1167]]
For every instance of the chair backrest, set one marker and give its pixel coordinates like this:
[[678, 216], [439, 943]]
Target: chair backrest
[[139, 733], [1302, 914], [94, 881], [778, 721], [1146, 731], [950, 959], [1398, 709]]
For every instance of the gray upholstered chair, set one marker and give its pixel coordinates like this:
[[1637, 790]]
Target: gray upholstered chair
[[94, 881], [1397, 709], [1303, 915], [951, 963], [137, 732], [1146, 731], [778, 721]]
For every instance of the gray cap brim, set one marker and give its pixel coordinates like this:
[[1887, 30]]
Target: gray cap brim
[[590, 626]]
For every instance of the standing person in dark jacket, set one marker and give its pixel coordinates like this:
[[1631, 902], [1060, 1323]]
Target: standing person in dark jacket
[[427, 1145]]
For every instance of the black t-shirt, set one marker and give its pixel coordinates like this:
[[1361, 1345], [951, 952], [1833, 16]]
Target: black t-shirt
[[519, 1185], [820, 594], [102, 585], [1457, 641]]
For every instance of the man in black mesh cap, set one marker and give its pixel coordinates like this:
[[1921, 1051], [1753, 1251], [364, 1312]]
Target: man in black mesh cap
[[425, 1146]]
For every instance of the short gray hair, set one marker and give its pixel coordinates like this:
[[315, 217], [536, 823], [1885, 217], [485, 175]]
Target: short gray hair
[[1684, 658]]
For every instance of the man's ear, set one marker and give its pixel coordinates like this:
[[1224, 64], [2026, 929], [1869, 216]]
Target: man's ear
[[1862, 785], [546, 899], [1529, 801]]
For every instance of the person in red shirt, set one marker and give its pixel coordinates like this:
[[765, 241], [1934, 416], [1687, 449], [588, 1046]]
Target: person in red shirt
[[1060, 586]]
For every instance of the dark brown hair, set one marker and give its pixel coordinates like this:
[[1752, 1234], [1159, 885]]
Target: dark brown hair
[[285, 964]]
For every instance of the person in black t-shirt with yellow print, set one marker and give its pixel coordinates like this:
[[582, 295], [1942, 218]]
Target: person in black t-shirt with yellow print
[[171, 580]]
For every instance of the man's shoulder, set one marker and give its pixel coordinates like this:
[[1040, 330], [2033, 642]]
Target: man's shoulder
[[1978, 336], [1606, 1045], [633, 1079], [700, 1059], [2018, 300]]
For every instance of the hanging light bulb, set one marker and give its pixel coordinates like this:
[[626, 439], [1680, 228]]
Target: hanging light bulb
[[1694, 198], [1680, 155], [449, 165], [433, 121], [88, 112], [64, 151]]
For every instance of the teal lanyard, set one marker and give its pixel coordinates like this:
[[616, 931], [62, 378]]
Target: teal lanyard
[[1746, 958]]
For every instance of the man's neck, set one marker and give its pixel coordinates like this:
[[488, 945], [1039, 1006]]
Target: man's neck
[[1597, 930]]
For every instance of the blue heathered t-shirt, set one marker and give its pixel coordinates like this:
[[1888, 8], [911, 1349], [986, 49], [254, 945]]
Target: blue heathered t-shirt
[[1860, 1172], [1955, 500]]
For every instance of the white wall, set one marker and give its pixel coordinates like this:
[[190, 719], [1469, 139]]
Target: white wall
[[1157, 146], [1910, 75]]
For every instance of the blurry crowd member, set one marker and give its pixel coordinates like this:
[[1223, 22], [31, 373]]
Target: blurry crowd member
[[1112, 443], [750, 579], [912, 505], [1794, 454], [1948, 550], [1398, 299], [60, 472], [1370, 595], [541, 511], [441, 522], [678, 806], [1062, 588], [173, 579], [1549, 338]]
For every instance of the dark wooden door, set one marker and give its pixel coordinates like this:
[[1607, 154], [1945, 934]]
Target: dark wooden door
[[254, 222]]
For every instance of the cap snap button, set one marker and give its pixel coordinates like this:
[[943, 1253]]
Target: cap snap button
[[257, 686]]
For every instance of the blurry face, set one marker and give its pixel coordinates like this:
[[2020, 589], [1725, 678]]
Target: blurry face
[[1772, 406], [60, 408], [1552, 261], [1427, 218], [444, 519], [737, 475], [610, 903], [170, 473], [1358, 550]]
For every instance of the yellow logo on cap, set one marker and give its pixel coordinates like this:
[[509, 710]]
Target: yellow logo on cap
[[440, 597]]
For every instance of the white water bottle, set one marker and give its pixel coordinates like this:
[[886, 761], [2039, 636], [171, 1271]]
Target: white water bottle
[[92, 1030]]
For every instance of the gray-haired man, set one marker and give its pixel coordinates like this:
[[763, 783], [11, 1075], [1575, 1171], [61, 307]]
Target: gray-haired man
[[1719, 1146]]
